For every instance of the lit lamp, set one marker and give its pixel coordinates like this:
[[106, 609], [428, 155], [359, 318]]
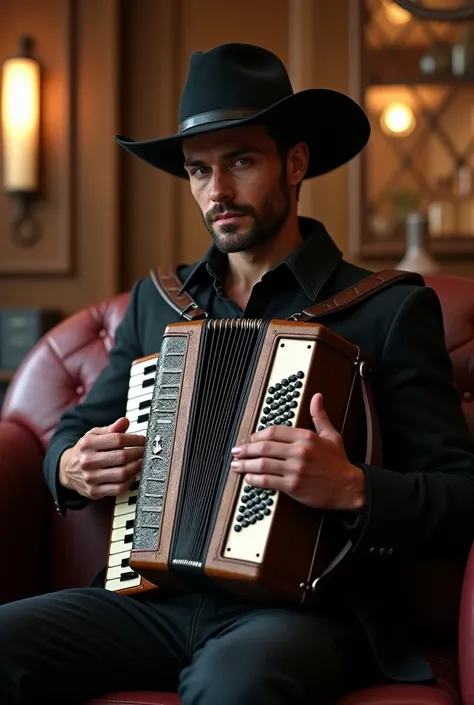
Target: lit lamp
[[398, 120], [396, 14], [20, 126]]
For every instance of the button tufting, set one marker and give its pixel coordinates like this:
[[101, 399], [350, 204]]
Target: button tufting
[[467, 396], [102, 333]]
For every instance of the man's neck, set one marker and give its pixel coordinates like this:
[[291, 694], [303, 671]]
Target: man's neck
[[247, 268]]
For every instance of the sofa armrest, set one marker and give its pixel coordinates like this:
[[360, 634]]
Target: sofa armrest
[[466, 633], [24, 514]]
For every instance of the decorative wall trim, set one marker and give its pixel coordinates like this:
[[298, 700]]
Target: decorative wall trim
[[53, 254]]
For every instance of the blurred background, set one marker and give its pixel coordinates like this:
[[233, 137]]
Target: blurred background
[[81, 220]]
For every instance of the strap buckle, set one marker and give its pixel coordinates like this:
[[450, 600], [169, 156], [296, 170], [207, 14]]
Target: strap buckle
[[192, 306]]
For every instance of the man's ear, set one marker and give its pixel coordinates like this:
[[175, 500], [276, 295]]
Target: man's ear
[[297, 163]]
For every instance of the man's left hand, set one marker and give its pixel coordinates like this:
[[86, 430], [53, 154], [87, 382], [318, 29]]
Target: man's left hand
[[310, 466]]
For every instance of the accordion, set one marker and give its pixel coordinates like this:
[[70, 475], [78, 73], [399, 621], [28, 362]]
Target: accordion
[[190, 519]]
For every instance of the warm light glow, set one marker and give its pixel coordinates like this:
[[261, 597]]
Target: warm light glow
[[398, 119], [396, 14], [20, 124]]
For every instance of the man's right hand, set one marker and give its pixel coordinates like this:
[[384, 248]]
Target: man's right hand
[[104, 462]]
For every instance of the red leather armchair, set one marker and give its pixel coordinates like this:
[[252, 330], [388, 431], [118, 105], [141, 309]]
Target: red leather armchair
[[42, 551]]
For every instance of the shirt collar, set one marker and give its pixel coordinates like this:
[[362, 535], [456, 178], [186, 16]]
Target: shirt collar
[[312, 263]]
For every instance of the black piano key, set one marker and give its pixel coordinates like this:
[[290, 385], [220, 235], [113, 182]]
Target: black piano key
[[148, 382], [128, 576], [145, 404], [132, 500], [130, 524], [124, 563], [143, 417], [128, 538], [134, 486], [149, 369]]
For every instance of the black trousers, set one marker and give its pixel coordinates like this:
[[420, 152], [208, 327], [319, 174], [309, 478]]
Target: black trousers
[[213, 649]]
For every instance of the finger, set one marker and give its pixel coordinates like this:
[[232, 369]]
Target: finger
[[264, 449], [321, 420], [114, 475], [112, 458], [283, 434], [111, 441], [109, 490], [268, 466], [120, 425], [267, 482]]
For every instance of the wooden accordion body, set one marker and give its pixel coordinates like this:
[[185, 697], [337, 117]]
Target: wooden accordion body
[[191, 519]]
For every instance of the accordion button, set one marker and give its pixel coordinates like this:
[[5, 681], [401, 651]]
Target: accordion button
[[372, 549]]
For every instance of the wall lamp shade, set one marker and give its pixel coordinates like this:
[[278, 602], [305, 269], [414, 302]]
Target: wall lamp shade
[[20, 129]]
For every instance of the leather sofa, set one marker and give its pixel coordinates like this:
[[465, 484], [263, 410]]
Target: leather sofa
[[42, 551]]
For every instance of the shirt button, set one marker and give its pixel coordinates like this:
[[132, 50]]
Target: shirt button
[[382, 551]]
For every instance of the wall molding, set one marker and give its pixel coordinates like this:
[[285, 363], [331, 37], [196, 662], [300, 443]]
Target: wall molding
[[53, 253]]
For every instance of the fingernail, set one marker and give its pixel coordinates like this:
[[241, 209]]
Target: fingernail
[[235, 464], [236, 450]]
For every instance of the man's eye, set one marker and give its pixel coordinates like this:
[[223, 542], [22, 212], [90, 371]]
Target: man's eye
[[242, 161], [200, 171]]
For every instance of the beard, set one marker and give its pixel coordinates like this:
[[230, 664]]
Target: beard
[[267, 221]]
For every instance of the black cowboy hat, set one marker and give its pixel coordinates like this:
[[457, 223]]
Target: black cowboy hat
[[242, 84]]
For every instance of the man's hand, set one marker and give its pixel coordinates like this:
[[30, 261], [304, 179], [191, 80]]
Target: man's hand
[[104, 462], [313, 468]]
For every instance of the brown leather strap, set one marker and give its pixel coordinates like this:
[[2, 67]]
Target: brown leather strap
[[169, 286], [354, 294]]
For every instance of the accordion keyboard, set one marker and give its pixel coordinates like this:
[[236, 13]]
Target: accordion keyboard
[[140, 392]]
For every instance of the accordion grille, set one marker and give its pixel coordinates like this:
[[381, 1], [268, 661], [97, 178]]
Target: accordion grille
[[230, 351]]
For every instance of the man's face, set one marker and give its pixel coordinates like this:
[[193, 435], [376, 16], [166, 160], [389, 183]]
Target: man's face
[[240, 184]]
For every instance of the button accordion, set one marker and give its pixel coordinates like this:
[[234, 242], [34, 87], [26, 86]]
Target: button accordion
[[190, 519]]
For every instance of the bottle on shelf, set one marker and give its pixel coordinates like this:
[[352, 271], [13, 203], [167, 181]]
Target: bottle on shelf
[[417, 256], [465, 201], [441, 210]]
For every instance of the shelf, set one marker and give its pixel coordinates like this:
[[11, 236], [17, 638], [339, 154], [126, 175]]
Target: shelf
[[6, 375], [381, 65], [446, 249]]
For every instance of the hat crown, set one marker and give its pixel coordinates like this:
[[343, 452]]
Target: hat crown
[[233, 76]]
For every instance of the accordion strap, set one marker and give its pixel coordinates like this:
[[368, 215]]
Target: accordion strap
[[167, 282], [357, 293]]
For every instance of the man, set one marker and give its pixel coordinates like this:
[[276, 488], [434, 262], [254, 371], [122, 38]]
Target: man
[[245, 144]]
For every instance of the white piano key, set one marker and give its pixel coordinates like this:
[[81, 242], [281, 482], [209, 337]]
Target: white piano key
[[120, 534], [121, 498], [117, 558], [136, 414], [117, 584], [139, 428], [139, 390], [120, 520], [125, 507], [117, 571], [134, 402], [120, 547]]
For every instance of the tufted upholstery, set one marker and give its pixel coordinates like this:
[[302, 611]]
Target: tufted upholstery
[[57, 374]]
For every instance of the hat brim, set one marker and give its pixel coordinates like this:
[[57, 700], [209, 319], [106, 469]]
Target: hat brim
[[334, 127]]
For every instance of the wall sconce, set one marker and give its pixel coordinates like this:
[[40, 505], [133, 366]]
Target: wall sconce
[[20, 126], [398, 120], [396, 14]]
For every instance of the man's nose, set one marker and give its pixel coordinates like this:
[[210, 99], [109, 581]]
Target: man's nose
[[221, 187]]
